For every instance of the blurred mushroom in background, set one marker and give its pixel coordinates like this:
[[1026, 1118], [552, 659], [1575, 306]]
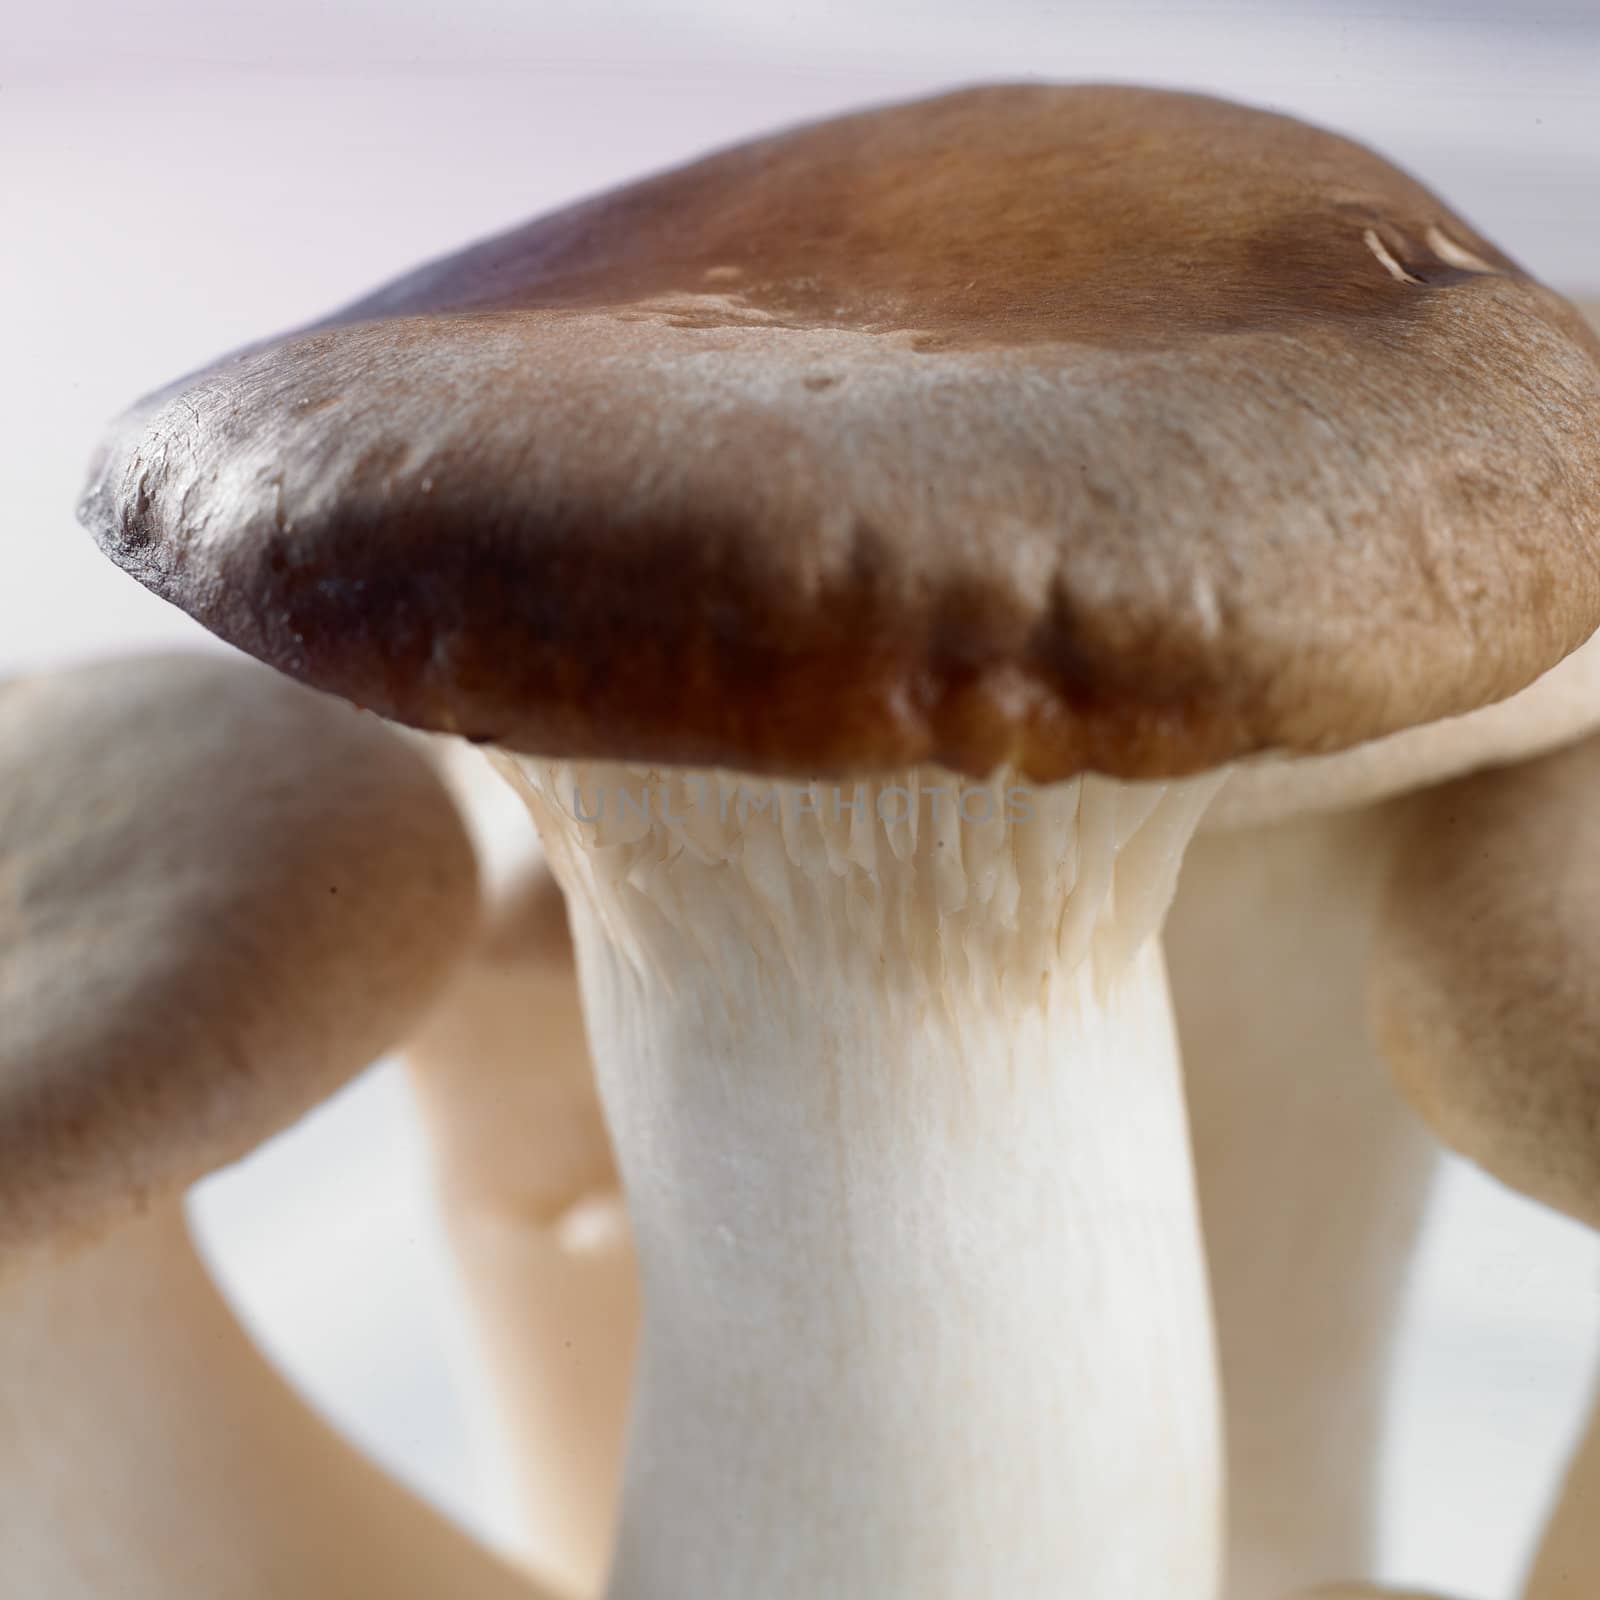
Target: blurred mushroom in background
[[868, 549], [1485, 985], [1313, 1173], [221, 896], [534, 1207]]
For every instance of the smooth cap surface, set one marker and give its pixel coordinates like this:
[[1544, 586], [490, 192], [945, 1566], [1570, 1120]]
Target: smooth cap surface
[[1075, 427], [220, 896]]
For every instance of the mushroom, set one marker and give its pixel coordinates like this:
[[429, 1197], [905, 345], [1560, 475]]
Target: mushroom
[[867, 548], [1308, 1272], [220, 896], [530, 1193], [1486, 997], [1268, 945], [1287, 1098]]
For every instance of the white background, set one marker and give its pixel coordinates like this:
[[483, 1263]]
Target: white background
[[180, 176]]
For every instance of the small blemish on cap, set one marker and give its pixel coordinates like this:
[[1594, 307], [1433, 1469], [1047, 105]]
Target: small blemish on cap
[[425, 486], [1390, 265], [817, 381], [1453, 254], [723, 274]]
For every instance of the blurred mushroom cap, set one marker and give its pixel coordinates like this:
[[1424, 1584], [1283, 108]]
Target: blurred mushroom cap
[[1485, 979], [221, 895]]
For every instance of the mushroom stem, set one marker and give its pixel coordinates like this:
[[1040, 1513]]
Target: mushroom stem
[[1313, 1179], [530, 1195], [148, 1452], [897, 1105]]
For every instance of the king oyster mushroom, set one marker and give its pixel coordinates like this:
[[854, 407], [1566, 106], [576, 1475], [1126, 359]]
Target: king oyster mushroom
[[220, 897], [868, 548], [1485, 989], [1289, 1099], [1313, 1175]]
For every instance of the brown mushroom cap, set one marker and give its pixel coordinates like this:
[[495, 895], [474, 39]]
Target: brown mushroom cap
[[1075, 427], [1485, 979], [220, 896]]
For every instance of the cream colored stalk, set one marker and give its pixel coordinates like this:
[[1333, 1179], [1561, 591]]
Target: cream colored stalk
[[147, 1451], [1313, 1179], [531, 1198], [897, 1105]]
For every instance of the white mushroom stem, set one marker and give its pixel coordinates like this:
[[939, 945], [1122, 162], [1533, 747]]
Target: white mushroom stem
[[529, 1192], [897, 1105], [147, 1451], [1313, 1179]]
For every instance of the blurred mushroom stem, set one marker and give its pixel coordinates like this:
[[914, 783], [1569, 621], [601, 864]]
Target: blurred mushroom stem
[[893, 1082], [530, 1195], [148, 1452], [1313, 1180]]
